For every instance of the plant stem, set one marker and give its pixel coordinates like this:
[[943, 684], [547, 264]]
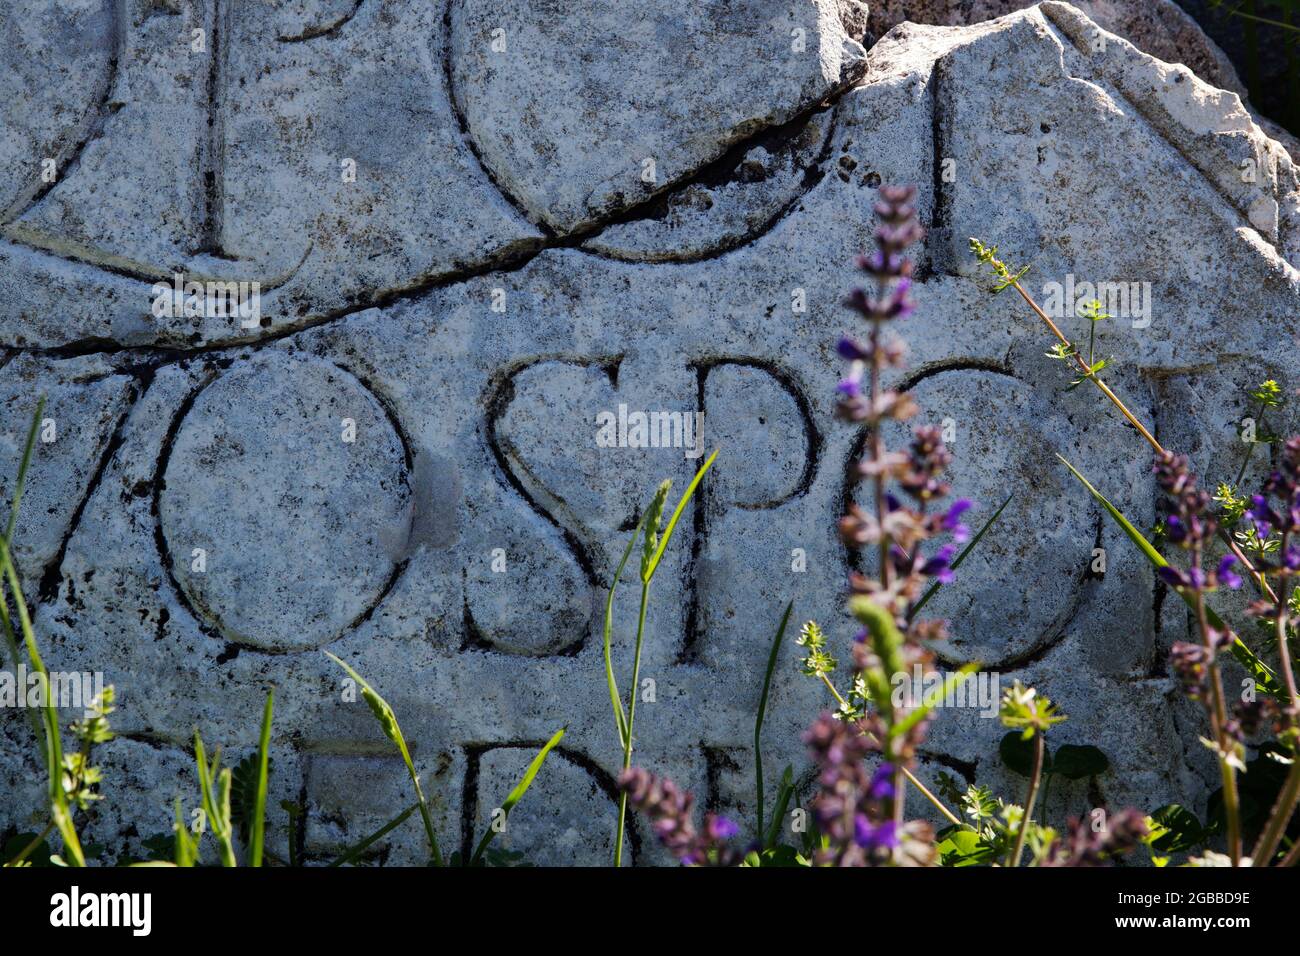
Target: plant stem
[[925, 792], [878, 455], [1259, 579], [1250, 449], [900, 792], [1280, 817], [878, 449], [1292, 855], [49, 828], [1034, 780], [1283, 645], [631, 719], [1217, 712], [53, 741], [1287, 798], [1087, 371], [1047, 789]]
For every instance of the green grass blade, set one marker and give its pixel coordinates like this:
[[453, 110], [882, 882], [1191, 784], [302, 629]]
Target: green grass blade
[[1265, 677], [49, 716], [677, 514], [517, 793], [762, 713], [615, 698], [353, 852], [388, 722], [784, 792], [21, 480], [258, 835], [970, 546], [48, 722], [214, 791], [187, 851], [34, 718], [223, 807], [928, 704]]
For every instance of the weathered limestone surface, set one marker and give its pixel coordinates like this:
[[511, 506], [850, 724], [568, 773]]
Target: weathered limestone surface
[[1159, 27], [497, 276]]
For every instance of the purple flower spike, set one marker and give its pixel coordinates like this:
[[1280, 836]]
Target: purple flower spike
[[1175, 529], [952, 521], [671, 812], [875, 837], [1263, 515], [721, 828], [1228, 578], [1172, 577], [851, 350], [939, 566], [882, 783]]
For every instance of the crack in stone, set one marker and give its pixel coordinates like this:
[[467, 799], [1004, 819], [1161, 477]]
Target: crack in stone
[[513, 257], [715, 173]]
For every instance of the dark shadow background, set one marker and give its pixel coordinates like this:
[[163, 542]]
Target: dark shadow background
[[1266, 54]]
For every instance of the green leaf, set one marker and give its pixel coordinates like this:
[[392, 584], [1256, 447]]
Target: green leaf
[[1088, 375], [654, 518], [653, 564], [187, 849], [762, 712], [500, 858], [887, 642], [517, 793], [962, 846], [1184, 829], [777, 856], [393, 731], [243, 796], [37, 850], [1077, 762], [263, 770], [784, 794], [1017, 754], [214, 790], [1264, 676]]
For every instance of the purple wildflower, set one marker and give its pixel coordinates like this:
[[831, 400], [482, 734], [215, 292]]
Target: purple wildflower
[[1085, 847], [875, 838], [882, 783], [671, 813], [852, 806]]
